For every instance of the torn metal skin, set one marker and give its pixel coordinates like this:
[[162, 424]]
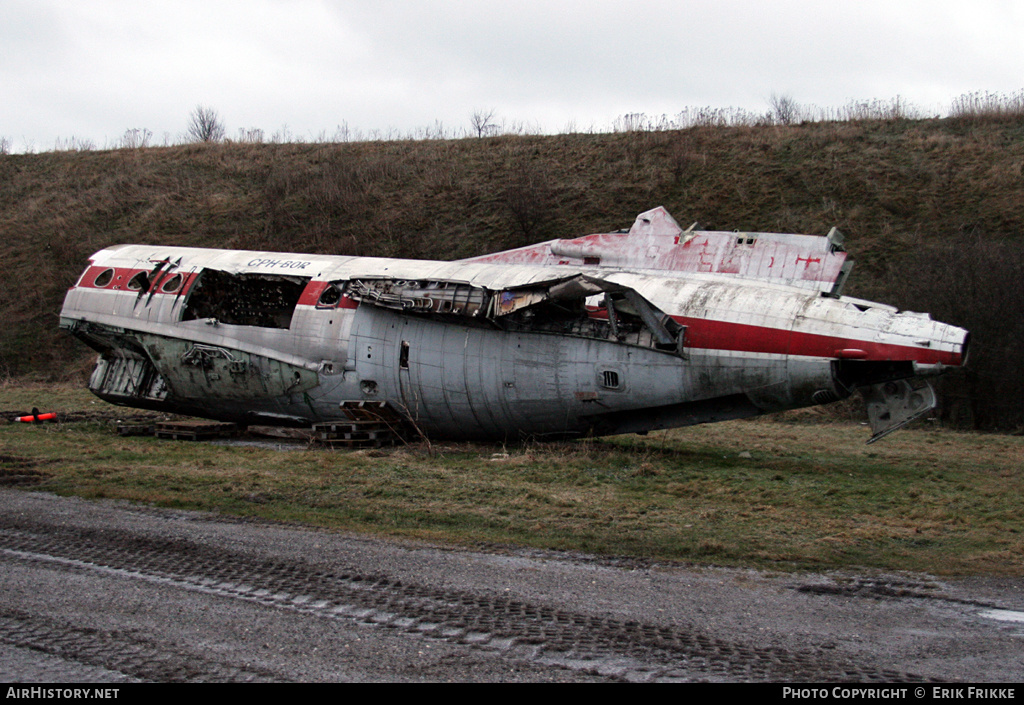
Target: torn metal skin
[[650, 328]]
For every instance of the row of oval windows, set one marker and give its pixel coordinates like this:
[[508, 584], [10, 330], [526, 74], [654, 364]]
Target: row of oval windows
[[330, 296], [139, 282]]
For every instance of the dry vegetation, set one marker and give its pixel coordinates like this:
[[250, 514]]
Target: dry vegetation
[[919, 200], [767, 493]]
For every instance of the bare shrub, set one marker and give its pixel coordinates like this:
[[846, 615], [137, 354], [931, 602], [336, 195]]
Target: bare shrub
[[73, 144], [345, 134], [250, 135], [282, 136], [136, 138], [630, 122], [5, 145], [530, 200], [987, 105], [686, 118], [684, 158], [514, 127], [785, 109], [894, 109], [204, 125]]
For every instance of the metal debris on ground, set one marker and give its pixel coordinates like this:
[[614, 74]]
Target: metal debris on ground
[[136, 429], [195, 430], [299, 434]]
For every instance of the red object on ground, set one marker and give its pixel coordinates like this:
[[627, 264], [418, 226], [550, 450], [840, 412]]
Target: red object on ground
[[36, 417]]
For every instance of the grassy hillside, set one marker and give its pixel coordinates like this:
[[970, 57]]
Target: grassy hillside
[[901, 190]]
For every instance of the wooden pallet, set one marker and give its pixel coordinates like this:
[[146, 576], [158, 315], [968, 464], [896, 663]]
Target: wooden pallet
[[372, 411], [368, 424], [355, 434], [195, 430]]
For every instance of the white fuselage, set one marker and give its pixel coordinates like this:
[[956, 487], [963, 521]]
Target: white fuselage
[[562, 350]]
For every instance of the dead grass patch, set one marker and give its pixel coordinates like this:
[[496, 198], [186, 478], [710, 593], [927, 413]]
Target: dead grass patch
[[747, 492]]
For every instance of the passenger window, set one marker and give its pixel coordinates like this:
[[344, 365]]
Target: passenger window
[[104, 278], [139, 282], [172, 285], [330, 296]]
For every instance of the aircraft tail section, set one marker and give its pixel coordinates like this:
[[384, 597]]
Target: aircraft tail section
[[657, 242]]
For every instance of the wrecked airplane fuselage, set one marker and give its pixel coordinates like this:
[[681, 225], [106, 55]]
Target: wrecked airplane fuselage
[[652, 328]]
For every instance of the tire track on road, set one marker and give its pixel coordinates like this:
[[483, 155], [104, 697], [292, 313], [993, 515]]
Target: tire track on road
[[626, 649]]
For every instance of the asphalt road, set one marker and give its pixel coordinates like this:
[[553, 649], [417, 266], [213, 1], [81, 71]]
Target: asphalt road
[[110, 592]]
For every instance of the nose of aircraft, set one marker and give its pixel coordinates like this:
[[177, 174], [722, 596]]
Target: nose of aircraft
[[922, 345], [940, 347], [893, 374], [960, 339]]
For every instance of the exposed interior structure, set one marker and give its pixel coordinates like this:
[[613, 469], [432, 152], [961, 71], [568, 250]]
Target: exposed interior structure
[[265, 300], [579, 306]]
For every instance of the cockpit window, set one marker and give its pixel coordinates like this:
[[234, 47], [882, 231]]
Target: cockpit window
[[264, 300]]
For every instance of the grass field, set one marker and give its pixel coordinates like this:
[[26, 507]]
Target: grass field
[[782, 493]]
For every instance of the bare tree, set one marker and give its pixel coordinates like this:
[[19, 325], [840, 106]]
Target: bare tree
[[785, 109], [204, 125], [483, 122]]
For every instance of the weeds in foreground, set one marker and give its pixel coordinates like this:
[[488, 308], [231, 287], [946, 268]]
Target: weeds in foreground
[[761, 493]]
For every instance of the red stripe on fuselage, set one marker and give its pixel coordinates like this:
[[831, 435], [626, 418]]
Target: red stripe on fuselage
[[315, 289], [702, 333], [122, 275], [311, 294]]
